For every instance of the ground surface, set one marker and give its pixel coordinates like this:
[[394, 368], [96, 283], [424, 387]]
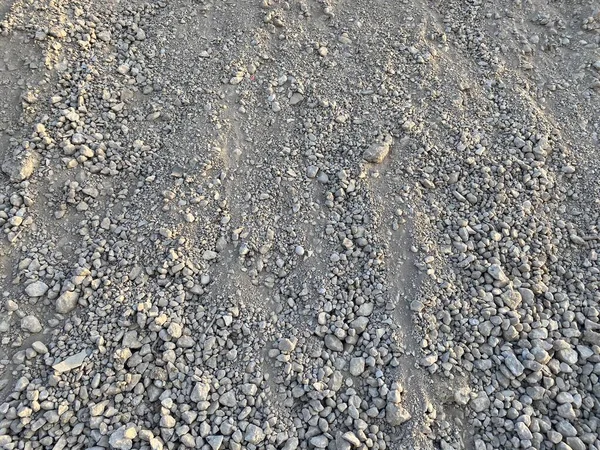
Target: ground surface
[[300, 224]]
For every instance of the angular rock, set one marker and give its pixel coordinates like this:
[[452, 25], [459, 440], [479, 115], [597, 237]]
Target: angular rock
[[351, 438], [333, 343], [377, 152], [200, 392], [291, 444], [254, 434], [20, 169], [215, 441], [31, 324], [39, 347], [130, 340], [396, 414], [67, 302], [497, 273], [480, 403], [122, 437], [359, 324], [287, 345], [357, 366], [209, 255], [228, 399], [591, 337], [296, 98], [71, 362], [319, 441]]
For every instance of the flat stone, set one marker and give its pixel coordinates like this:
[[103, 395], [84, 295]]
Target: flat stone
[[296, 98], [71, 362], [209, 255]]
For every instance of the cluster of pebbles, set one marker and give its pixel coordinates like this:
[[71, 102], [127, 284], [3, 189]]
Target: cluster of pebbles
[[282, 225]]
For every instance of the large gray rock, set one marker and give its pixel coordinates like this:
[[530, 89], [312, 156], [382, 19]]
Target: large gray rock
[[19, 169], [31, 323], [122, 438], [333, 343], [287, 345], [67, 302], [319, 441], [254, 434], [200, 392], [357, 366], [36, 289], [480, 403], [396, 414], [228, 399], [514, 365], [215, 441]]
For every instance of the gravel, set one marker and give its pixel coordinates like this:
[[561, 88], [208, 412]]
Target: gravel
[[282, 225]]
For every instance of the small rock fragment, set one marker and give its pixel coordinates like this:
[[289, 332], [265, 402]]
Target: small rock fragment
[[71, 362], [377, 152]]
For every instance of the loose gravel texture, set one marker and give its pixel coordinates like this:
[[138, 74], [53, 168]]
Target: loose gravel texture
[[308, 224]]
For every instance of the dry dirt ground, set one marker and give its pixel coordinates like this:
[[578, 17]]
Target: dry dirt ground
[[340, 224]]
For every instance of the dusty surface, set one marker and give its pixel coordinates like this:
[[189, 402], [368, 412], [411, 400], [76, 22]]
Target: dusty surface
[[304, 224]]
